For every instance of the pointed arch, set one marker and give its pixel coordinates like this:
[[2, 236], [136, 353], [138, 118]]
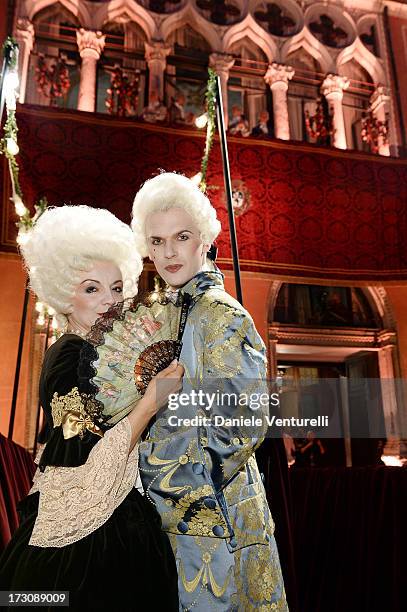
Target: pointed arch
[[302, 60], [249, 28], [378, 296], [125, 10], [189, 16], [78, 10], [251, 50], [308, 42], [358, 52]]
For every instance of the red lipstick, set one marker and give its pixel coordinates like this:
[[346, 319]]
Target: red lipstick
[[174, 268]]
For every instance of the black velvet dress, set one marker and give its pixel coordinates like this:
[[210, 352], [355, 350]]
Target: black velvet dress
[[127, 563]]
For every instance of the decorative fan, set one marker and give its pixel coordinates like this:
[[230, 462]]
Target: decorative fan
[[133, 344]]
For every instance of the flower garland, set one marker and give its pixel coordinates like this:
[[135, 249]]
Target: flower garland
[[9, 145], [210, 101], [122, 98], [53, 81], [373, 131], [320, 125]]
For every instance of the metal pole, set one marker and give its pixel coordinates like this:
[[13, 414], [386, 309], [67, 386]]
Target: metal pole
[[228, 188], [37, 420], [18, 364]]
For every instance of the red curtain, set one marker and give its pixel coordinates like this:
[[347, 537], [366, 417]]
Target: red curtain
[[350, 534], [16, 471]]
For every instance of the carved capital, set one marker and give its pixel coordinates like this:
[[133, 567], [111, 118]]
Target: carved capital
[[221, 62], [156, 52], [333, 86], [25, 33], [278, 75], [90, 43], [379, 98]]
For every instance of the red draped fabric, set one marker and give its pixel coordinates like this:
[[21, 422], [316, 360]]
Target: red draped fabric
[[350, 534], [16, 471], [312, 212]]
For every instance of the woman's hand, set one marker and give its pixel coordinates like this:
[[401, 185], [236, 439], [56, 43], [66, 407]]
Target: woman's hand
[[161, 386]]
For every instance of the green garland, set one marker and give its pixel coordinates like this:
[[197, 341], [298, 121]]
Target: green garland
[[25, 222], [210, 97], [10, 54], [11, 131]]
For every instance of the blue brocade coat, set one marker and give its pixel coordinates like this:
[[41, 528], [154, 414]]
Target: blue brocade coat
[[203, 478]]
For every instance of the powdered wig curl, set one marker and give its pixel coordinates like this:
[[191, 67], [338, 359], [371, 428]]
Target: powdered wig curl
[[171, 190], [67, 241]]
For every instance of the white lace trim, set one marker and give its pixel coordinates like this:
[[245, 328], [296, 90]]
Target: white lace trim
[[75, 501]]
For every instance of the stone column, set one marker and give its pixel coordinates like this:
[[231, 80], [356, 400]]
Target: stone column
[[222, 63], [332, 88], [272, 356], [156, 58], [277, 77], [91, 45], [380, 107], [389, 398], [24, 35]]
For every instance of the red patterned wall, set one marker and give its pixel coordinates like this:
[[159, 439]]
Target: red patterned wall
[[315, 213]]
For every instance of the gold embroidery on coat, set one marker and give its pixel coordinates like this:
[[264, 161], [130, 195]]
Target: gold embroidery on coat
[[258, 580], [168, 467], [205, 575], [201, 520]]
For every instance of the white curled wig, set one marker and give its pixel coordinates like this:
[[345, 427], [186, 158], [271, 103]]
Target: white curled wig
[[67, 241], [171, 190]]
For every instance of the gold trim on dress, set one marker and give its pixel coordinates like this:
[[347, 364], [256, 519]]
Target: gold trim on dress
[[74, 411]]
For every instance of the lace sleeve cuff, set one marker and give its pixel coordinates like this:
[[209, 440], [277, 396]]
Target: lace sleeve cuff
[[75, 501]]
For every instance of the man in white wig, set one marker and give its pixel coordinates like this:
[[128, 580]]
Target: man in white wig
[[201, 474]]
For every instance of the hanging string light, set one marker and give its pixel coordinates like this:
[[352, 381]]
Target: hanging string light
[[46, 317], [10, 149], [9, 143]]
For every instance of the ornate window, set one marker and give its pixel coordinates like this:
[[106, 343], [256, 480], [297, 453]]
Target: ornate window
[[122, 60], [324, 306], [330, 31], [187, 70], [303, 90], [53, 77], [219, 12], [355, 102], [246, 86], [162, 6], [281, 19]]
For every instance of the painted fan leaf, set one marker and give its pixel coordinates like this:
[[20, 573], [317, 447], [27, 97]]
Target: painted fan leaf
[[139, 344]]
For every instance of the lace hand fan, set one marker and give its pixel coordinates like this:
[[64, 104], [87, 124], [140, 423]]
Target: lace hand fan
[[133, 344]]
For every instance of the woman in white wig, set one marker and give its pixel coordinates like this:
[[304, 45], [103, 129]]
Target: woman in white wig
[[203, 476], [85, 528]]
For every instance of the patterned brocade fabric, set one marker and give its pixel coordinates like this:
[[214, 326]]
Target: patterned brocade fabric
[[76, 501]]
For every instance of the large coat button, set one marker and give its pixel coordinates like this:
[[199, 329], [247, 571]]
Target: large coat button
[[210, 503], [218, 531], [233, 542], [182, 527], [197, 468]]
